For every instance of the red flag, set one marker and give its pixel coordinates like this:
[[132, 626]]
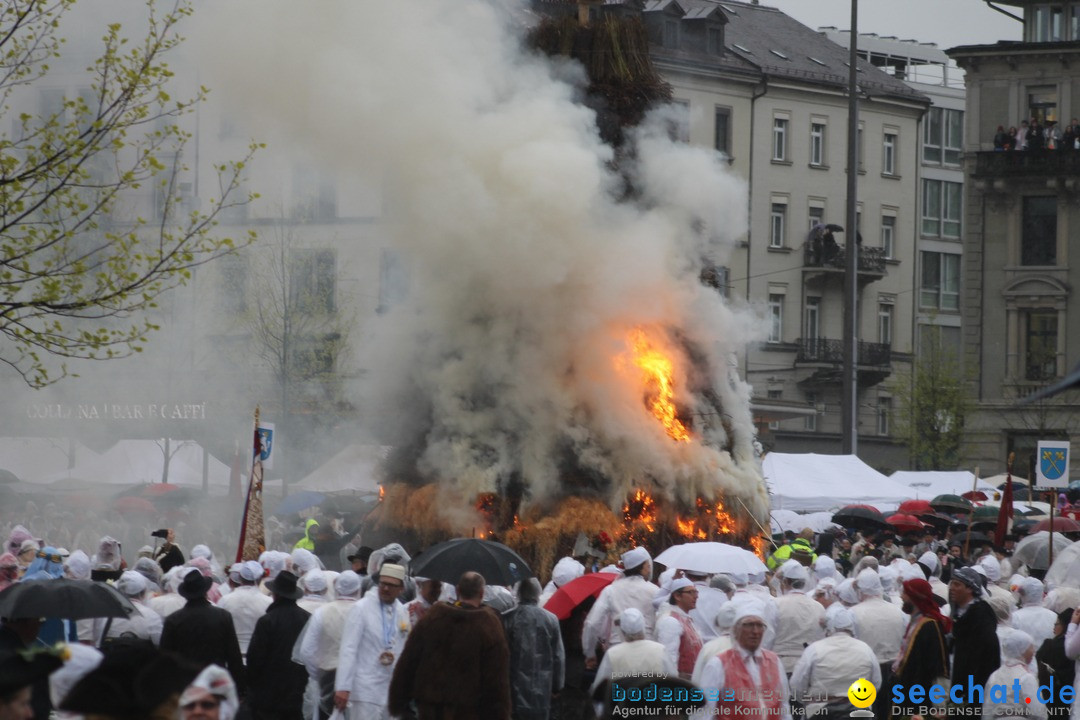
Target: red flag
[[1005, 513], [252, 531]]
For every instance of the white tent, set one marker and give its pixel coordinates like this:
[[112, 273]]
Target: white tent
[[812, 483], [130, 462], [353, 468], [32, 459], [928, 484]]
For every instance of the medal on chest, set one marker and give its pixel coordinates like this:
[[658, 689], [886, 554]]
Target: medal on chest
[[386, 658]]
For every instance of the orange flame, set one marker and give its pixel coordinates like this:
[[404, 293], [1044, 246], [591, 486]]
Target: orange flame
[[382, 493], [658, 371]]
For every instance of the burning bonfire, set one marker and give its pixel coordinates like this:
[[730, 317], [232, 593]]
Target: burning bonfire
[[544, 529]]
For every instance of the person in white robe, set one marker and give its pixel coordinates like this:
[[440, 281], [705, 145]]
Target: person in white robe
[[320, 643], [245, 603], [633, 590], [798, 617], [1017, 652], [1031, 616], [145, 623], [829, 666]]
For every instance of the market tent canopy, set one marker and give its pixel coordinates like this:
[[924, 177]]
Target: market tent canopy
[[928, 484], [810, 482], [353, 468], [31, 459], [131, 462]]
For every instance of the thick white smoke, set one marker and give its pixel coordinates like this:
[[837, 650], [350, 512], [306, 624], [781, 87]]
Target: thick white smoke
[[526, 273]]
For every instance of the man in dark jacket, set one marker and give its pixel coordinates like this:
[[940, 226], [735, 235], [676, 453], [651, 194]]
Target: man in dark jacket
[[276, 682], [456, 663], [202, 633], [976, 653]]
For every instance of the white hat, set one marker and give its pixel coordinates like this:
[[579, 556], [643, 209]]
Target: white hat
[[725, 618], [789, 565], [81, 661], [566, 570], [1031, 591], [757, 577], [131, 584], [636, 557], [680, 583], [824, 567], [992, 566], [868, 582], [842, 619], [202, 551], [846, 592], [252, 571], [347, 584], [1015, 644], [315, 581], [632, 622], [796, 572], [391, 570], [912, 572], [739, 577], [748, 610], [930, 560]]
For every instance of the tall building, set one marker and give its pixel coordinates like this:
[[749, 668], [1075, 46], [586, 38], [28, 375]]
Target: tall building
[[1021, 224], [770, 93]]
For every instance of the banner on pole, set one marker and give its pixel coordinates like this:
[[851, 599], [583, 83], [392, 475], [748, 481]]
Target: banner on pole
[[266, 440], [1052, 464]]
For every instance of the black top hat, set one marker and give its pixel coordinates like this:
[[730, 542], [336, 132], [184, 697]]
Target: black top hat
[[284, 585], [194, 585], [19, 669], [362, 554]]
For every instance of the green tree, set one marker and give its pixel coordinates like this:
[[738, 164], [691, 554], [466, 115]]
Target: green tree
[[79, 265], [933, 402]]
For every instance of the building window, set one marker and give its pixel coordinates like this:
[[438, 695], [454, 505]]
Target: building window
[[1040, 345], [941, 208], [716, 40], [885, 323], [233, 284], [812, 326], [775, 395], [888, 163], [817, 144], [1042, 103], [940, 287], [954, 136], [888, 235], [718, 277], [1048, 22], [817, 216], [779, 134], [671, 34], [312, 280], [811, 420], [1038, 239], [776, 318], [884, 412], [777, 225], [723, 131], [943, 136]]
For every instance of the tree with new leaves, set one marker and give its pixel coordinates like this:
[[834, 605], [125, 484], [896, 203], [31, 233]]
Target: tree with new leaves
[[933, 402], [79, 264]]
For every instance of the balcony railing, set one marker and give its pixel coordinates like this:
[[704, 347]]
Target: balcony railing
[[1025, 163], [871, 259], [830, 351]]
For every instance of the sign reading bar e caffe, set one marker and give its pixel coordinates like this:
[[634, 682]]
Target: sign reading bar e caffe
[[91, 412]]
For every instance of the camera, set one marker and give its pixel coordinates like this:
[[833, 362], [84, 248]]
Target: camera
[[163, 533]]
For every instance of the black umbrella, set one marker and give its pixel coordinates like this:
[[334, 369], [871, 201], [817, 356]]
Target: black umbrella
[[63, 598], [448, 560], [834, 227], [977, 538], [860, 516], [952, 503]]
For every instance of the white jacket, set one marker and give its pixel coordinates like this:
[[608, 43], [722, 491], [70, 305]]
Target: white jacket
[[880, 625], [628, 592], [1029, 686], [246, 605], [145, 624], [359, 671], [1036, 621], [827, 667], [320, 643], [798, 624]]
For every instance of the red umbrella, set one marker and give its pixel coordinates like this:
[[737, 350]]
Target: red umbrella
[[976, 495], [575, 592], [158, 489], [1061, 524], [905, 523], [134, 505], [915, 507]]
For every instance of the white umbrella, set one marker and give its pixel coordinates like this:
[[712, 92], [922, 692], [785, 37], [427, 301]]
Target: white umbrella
[[1065, 572], [1034, 550], [710, 557], [780, 520]]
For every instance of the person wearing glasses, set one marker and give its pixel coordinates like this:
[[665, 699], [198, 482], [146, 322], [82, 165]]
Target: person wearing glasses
[[371, 644], [676, 630], [212, 696]]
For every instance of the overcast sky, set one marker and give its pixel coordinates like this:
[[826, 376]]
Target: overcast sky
[[946, 22]]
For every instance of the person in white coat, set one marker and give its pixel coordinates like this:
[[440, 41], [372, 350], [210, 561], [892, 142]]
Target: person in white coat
[[320, 643], [565, 570], [634, 656], [371, 644], [677, 632], [745, 595], [245, 603], [1016, 653], [798, 617], [145, 623], [633, 590], [829, 666], [316, 590], [723, 641], [1031, 616], [881, 625]]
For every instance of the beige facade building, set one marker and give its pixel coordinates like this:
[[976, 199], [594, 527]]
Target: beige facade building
[[1021, 226]]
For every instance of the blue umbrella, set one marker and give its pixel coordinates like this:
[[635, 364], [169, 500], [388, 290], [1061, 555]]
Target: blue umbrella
[[299, 501]]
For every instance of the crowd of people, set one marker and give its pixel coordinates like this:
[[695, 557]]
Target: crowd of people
[[285, 637], [1035, 135]]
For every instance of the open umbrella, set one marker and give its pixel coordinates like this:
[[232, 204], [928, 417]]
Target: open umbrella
[[298, 501], [63, 598], [975, 496], [938, 520], [575, 592], [1065, 572], [984, 515], [134, 506], [1034, 550], [977, 538], [1061, 525], [905, 523], [710, 557], [952, 504], [859, 516], [448, 560], [915, 507]]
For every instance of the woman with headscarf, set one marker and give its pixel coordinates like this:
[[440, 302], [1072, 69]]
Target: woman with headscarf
[[1017, 650], [924, 657], [9, 570]]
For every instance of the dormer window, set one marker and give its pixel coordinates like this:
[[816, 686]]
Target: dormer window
[[716, 40], [671, 34]]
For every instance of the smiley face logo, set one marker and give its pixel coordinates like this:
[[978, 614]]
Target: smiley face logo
[[862, 693]]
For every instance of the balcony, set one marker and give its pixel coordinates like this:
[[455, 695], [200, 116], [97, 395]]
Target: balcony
[[834, 260], [1027, 164], [826, 357]]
